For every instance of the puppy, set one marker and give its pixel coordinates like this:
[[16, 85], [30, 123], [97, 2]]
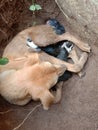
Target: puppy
[[60, 50], [31, 81]]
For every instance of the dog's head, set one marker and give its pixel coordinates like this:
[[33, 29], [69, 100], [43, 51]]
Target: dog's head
[[44, 73]]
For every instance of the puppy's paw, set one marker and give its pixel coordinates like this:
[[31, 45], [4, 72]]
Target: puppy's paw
[[86, 47]]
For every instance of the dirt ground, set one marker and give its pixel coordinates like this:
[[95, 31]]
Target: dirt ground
[[78, 109]]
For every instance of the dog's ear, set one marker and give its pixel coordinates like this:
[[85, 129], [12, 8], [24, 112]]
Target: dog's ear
[[60, 69]]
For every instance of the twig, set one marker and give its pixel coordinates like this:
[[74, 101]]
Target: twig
[[5, 112], [2, 3], [4, 19], [4, 34], [27, 117]]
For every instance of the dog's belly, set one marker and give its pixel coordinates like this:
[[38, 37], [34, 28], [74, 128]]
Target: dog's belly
[[16, 48]]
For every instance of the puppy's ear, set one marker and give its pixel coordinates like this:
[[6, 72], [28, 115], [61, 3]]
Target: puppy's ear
[[60, 69], [47, 99]]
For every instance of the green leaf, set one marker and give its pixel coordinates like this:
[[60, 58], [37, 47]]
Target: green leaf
[[37, 7], [32, 8], [4, 61]]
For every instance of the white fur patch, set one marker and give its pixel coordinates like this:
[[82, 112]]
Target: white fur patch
[[31, 44], [69, 49]]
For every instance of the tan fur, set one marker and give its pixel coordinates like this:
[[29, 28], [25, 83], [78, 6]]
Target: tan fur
[[36, 57], [42, 35], [30, 82]]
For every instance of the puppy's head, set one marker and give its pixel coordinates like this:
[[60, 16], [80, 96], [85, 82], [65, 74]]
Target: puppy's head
[[68, 45]]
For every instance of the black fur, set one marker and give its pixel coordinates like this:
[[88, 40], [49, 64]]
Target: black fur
[[59, 29], [61, 53]]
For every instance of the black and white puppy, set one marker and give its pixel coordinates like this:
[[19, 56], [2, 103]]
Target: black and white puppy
[[60, 50]]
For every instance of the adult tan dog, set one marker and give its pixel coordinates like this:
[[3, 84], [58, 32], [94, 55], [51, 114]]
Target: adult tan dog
[[22, 62], [43, 35]]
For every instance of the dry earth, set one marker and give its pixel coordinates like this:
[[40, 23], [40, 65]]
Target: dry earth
[[78, 109]]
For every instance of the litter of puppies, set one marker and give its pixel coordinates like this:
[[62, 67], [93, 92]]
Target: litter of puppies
[[31, 72]]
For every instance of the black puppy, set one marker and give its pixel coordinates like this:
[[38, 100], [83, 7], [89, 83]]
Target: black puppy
[[60, 50]]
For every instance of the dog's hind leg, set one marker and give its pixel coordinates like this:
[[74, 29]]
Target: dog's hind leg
[[73, 55], [58, 92], [75, 58]]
